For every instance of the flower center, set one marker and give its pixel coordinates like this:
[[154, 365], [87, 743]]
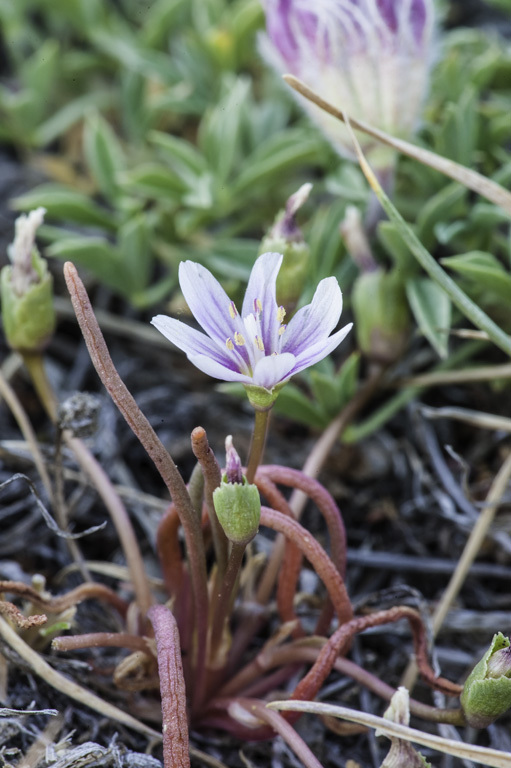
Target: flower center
[[249, 342]]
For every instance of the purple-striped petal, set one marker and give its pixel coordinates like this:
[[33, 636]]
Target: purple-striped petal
[[271, 370], [190, 341], [320, 350], [315, 321], [206, 364], [262, 288], [208, 302]]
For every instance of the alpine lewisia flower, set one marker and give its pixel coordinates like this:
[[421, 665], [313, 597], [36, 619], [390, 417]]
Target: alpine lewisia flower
[[254, 347], [368, 57]]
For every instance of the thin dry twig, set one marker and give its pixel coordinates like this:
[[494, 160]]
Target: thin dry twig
[[484, 755], [466, 176], [470, 552], [68, 687]]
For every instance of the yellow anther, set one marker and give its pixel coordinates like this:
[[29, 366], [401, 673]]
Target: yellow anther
[[282, 329], [238, 339], [258, 306], [232, 310], [281, 313], [229, 344], [259, 343]]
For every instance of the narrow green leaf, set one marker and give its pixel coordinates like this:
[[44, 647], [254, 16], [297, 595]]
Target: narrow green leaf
[[95, 254], [432, 310], [134, 247], [484, 269], [103, 154], [65, 204], [468, 308]]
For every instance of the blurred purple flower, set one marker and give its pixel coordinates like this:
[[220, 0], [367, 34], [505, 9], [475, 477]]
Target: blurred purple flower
[[255, 347], [368, 57]]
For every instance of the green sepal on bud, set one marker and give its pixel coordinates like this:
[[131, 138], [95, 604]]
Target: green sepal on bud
[[26, 289], [487, 690], [285, 237], [238, 508], [382, 320]]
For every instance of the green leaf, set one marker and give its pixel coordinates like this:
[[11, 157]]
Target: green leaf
[[292, 147], [70, 114], [220, 129], [293, 404], [469, 308], [134, 246], [393, 243], [325, 391], [432, 310], [483, 269], [181, 154], [103, 154], [97, 255], [447, 204], [66, 204], [153, 181]]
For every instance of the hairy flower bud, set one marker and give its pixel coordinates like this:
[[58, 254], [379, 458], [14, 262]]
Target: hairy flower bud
[[285, 236], [27, 290], [237, 502], [368, 57], [487, 690]]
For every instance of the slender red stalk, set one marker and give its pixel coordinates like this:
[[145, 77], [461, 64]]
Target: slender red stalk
[[308, 687], [316, 555], [101, 640], [172, 687], [162, 460]]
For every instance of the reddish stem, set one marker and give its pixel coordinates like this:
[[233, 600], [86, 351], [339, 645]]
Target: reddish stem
[[162, 460], [172, 687], [101, 640], [212, 478], [56, 605], [316, 555], [338, 644]]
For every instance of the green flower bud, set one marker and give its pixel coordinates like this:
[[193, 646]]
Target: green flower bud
[[286, 237], [381, 315], [487, 691], [237, 502], [26, 289]]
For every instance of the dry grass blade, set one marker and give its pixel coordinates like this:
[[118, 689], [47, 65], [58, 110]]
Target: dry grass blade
[[469, 178], [482, 755], [466, 415], [68, 687]]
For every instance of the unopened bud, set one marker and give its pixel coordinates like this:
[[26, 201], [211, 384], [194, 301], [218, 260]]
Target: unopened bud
[[401, 754], [232, 462], [27, 290], [487, 690], [285, 236], [381, 315], [237, 502]]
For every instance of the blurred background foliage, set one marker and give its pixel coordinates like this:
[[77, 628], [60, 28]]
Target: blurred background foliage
[[163, 136]]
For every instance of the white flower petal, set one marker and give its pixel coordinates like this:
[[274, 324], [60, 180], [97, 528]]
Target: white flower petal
[[189, 340], [315, 321], [208, 302], [261, 288], [206, 364], [321, 349], [271, 370]]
